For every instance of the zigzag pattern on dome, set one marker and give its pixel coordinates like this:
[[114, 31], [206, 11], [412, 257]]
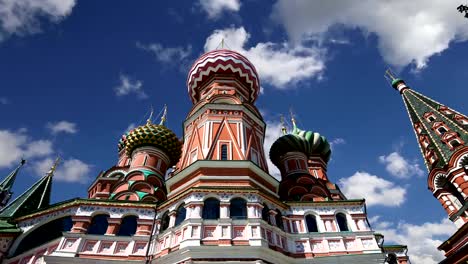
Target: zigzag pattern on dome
[[224, 60]]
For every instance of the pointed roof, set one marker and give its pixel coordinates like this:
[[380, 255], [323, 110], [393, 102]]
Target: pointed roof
[[7, 183], [35, 198], [426, 116]]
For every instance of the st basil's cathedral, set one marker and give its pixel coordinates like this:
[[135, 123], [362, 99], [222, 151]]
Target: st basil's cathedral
[[209, 198]]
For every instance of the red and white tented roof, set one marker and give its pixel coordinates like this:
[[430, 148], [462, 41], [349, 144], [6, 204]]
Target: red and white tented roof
[[226, 62]]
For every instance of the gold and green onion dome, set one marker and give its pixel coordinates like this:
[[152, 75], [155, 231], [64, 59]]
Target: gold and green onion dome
[[307, 142], [122, 141], [158, 136]]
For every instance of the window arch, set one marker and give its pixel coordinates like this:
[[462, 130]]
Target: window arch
[[210, 209], [128, 226], [311, 222], [266, 214], [238, 208], [98, 225], [164, 221], [443, 183], [180, 214], [45, 233], [342, 222], [279, 219]]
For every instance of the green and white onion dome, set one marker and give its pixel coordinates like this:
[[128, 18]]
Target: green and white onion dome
[[307, 142], [158, 136]]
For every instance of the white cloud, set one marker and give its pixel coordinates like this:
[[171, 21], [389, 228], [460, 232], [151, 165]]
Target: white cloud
[[399, 167], [62, 126], [214, 8], [408, 32], [22, 17], [17, 145], [4, 100], [70, 170], [272, 133], [422, 240], [337, 141], [130, 127], [166, 54], [375, 190], [128, 86], [278, 64]]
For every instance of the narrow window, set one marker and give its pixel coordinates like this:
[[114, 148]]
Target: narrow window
[[442, 130], [210, 209], [238, 208], [431, 118], [279, 220], [224, 152], [128, 226], [342, 222], [311, 223], [98, 225], [266, 214], [180, 215], [454, 143], [254, 156], [193, 156]]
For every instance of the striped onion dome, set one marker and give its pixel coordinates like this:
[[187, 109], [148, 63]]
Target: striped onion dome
[[222, 61], [158, 136], [307, 142]]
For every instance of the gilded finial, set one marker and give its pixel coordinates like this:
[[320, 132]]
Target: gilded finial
[[389, 75], [164, 116], [293, 120], [148, 121], [54, 166], [283, 127], [222, 43]]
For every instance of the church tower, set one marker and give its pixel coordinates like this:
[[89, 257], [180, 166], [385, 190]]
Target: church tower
[[442, 135]]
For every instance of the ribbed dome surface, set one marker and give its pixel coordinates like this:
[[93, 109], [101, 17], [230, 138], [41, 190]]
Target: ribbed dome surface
[[222, 61], [154, 135], [307, 142]]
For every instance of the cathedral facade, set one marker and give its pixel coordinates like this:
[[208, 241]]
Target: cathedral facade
[[209, 198]]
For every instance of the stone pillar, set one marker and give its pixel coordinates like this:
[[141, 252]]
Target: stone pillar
[[80, 224], [272, 217], [195, 209], [224, 210], [144, 227], [252, 211], [172, 217], [113, 226]]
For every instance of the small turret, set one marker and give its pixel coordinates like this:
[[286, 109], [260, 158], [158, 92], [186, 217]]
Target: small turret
[[7, 184]]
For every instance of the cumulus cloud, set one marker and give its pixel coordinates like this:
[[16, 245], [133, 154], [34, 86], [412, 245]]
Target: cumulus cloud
[[278, 64], [376, 190], [337, 141], [214, 8], [166, 54], [62, 126], [15, 145], [272, 133], [408, 32], [128, 86], [399, 167], [422, 240], [23, 17], [70, 170]]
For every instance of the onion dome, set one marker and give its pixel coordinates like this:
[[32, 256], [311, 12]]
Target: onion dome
[[158, 136], [222, 61], [307, 142], [122, 141]]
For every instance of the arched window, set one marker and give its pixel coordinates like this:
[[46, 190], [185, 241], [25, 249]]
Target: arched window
[[311, 223], [180, 214], [342, 222], [164, 221], [266, 214], [98, 225], [443, 183], [279, 219], [210, 209], [43, 234], [128, 226], [238, 208]]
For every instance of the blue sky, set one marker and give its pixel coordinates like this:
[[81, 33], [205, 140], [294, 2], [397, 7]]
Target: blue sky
[[74, 75]]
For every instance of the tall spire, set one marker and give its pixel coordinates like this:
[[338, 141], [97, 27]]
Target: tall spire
[[440, 131], [7, 184], [283, 127], [35, 198], [148, 121]]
